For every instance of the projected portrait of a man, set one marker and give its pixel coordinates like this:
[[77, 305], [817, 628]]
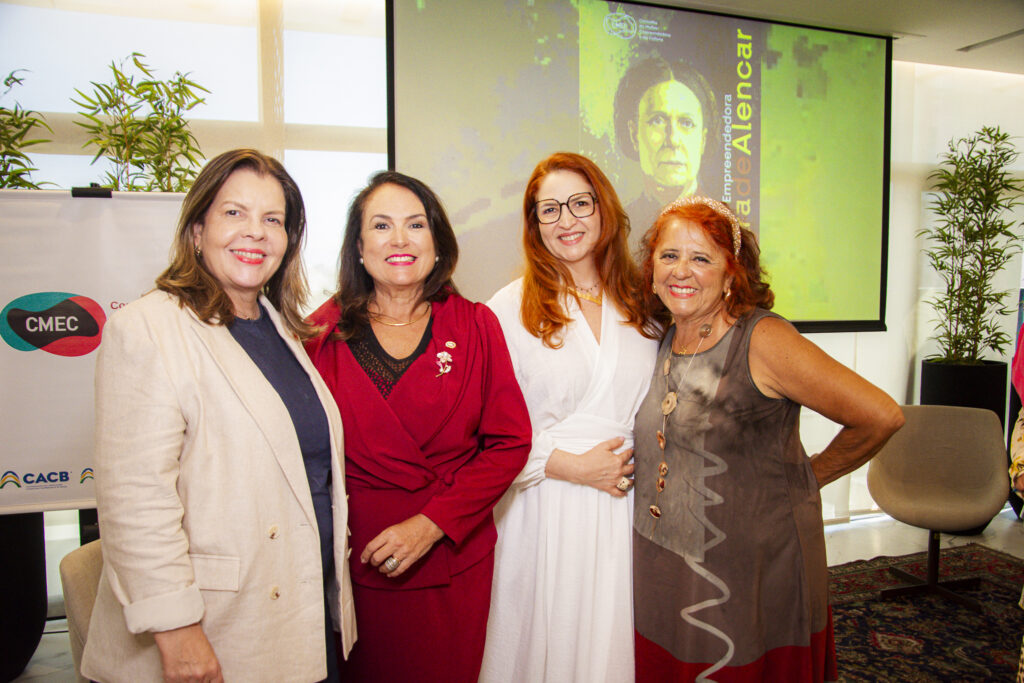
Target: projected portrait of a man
[[665, 119]]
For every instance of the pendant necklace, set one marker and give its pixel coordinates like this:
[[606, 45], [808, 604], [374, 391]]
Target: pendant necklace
[[668, 404]]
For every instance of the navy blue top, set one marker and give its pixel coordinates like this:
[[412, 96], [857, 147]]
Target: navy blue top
[[279, 365]]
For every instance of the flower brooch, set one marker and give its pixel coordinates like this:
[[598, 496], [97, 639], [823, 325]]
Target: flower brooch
[[444, 360]]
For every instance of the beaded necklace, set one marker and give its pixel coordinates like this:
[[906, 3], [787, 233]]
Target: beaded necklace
[[668, 404]]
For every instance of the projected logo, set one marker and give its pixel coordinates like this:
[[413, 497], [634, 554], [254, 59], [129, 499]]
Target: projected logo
[[56, 322], [620, 25], [10, 477], [86, 474]]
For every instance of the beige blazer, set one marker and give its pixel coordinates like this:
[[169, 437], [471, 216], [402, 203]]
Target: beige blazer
[[205, 510]]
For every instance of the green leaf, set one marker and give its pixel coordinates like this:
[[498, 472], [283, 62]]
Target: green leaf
[[971, 241], [136, 121]]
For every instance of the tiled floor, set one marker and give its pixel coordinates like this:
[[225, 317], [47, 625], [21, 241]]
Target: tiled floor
[[52, 661], [861, 539], [877, 535]]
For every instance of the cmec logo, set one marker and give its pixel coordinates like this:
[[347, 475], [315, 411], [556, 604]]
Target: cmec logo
[[56, 322], [10, 477]]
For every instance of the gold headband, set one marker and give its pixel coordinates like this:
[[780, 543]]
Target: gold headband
[[715, 206]]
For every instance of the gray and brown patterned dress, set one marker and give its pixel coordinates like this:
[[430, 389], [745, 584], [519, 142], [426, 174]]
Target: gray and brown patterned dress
[[729, 571]]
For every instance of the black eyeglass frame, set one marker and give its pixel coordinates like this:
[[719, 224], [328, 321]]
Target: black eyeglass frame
[[536, 207]]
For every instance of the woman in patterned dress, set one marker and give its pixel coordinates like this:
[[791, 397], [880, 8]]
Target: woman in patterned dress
[[729, 572]]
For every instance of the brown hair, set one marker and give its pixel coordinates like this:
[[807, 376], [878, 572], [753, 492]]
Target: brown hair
[[749, 287], [187, 277], [355, 286], [541, 311]]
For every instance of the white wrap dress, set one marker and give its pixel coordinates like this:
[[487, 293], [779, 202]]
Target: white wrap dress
[[561, 603]]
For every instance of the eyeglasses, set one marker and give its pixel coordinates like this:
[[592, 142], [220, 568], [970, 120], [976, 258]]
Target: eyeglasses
[[581, 205]]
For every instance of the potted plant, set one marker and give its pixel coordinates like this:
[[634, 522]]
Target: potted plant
[[971, 241]]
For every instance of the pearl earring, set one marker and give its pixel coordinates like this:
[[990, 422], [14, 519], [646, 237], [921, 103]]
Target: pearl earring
[[360, 260], [654, 288]]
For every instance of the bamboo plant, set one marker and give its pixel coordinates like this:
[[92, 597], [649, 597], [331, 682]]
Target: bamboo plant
[[137, 121], [15, 126], [972, 240]]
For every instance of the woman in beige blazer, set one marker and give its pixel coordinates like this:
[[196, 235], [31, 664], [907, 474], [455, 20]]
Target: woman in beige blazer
[[218, 456]]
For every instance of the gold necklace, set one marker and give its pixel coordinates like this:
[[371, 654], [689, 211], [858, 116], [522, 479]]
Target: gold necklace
[[668, 404], [378, 317], [700, 338], [587, 296]]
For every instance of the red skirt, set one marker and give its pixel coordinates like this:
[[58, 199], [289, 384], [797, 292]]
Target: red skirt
[[425, 634], [812, 664]]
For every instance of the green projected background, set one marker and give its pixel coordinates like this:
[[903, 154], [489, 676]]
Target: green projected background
[[821, 172], [795, 136]]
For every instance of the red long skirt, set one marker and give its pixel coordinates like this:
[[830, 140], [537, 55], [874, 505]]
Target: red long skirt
[[426, 634]]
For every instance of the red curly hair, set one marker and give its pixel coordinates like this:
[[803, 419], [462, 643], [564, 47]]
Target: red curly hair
[[542, 313], [749, 287]]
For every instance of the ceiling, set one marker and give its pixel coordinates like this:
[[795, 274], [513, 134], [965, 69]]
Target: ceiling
[[972, 34]]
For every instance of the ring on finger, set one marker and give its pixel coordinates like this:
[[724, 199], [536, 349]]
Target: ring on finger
[[392, 563], [624, 484]]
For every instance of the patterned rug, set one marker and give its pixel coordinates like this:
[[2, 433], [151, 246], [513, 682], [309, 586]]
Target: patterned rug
[[924, 637]]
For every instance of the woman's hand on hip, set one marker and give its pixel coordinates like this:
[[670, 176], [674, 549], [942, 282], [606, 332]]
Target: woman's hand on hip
[[187, 656], [406, 542], [601, 467]]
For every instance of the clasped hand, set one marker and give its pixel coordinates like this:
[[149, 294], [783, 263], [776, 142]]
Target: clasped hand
[[603, 468], [406, 541]]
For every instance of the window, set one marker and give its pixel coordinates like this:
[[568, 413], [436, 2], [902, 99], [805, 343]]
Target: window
[[303, 80]]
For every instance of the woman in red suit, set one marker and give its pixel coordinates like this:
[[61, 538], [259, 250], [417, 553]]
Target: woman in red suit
[[435, 431]]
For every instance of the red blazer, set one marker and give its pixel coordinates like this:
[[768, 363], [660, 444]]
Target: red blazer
[[444, 444]]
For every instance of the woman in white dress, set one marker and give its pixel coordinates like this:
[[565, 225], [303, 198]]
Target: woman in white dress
[[583, 351]]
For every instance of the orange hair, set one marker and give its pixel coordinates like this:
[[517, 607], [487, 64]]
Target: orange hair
[[542, 313]]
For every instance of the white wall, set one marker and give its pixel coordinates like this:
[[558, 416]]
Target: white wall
[[930, 105]]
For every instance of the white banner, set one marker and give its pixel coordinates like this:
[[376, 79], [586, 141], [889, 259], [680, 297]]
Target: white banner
[[68, 264]]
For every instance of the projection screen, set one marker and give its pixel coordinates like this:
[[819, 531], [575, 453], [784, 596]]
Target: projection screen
[[788, 124]]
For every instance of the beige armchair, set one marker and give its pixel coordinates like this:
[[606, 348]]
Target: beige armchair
[[944, 471], [80, 576]]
